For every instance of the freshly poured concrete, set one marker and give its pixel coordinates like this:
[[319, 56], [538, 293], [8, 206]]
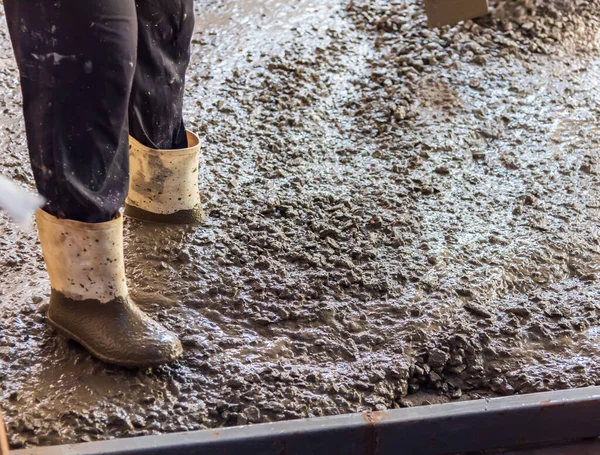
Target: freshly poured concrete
[[395, 216]]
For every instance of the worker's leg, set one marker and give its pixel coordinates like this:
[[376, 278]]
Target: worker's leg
[[163, 156], [165, 30], [76, 60]]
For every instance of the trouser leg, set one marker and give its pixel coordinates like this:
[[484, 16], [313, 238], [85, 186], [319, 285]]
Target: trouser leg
[[165, 29], [76, 60]]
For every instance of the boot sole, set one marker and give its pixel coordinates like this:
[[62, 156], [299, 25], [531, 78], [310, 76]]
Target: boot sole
[[121, 363], [192, 216]]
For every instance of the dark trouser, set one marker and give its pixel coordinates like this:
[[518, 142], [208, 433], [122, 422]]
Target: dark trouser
[[93, 71]]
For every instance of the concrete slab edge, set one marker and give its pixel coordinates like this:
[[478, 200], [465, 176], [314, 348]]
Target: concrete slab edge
[[508, 423]]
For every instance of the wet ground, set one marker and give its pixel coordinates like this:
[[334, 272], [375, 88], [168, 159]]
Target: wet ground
[[396, 216]]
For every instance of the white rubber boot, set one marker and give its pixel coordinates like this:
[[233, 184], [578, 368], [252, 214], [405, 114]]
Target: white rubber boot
[[90, 302], [163, 184]]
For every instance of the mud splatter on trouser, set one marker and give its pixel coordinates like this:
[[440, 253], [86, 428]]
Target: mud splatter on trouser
[[93, 71]]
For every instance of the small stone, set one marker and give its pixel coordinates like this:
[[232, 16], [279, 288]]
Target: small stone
[[235, 383], [479, 60], [457, 369], [519, 311], [43, 307], [434, 377], [148, 400], [329, 232], [251, 414], [332, 243], [437, 358], [478, 310], [527, 26], [463, 292], [413, 388], [184, 257]]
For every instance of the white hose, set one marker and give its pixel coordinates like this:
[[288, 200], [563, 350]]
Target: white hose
[[17, 202]]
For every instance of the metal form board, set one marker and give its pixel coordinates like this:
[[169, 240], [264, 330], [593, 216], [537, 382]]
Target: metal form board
[[469, 426]]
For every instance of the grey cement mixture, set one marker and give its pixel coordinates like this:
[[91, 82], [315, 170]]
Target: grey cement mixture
[[397, 216]]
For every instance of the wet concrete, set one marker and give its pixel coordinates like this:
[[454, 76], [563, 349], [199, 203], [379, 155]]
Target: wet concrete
[[396, 217]]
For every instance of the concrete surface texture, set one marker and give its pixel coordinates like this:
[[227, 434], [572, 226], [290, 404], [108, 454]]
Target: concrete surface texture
[[397, 216]]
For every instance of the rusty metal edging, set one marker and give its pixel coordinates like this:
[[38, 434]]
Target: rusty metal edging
[[517, 421]]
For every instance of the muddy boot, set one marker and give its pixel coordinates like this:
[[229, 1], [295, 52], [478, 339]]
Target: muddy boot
[[90, 302], [163, 184]]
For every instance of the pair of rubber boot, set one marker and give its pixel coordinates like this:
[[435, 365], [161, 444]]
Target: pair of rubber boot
[[89, 301]]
